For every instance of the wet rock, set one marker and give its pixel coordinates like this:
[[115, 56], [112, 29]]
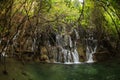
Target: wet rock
[[44, 58], [47, 61], [82, 54], [82, 58], [52, 38], [101, 56], [52, 60]]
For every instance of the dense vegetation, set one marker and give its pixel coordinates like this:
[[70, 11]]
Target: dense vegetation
[[29, 19]]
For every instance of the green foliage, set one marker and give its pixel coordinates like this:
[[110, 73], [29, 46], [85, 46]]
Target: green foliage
[[67, 12]]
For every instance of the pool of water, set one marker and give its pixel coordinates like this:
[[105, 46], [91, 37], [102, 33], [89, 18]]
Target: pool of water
[[96, 71]]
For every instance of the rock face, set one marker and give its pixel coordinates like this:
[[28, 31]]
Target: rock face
[[101, 56], [44, 57], [81, 50], [65, 45]]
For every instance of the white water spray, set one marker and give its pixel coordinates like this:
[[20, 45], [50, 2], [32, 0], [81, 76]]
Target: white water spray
[[91, 49]]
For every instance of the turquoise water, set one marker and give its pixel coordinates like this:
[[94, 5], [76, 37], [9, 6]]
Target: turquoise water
[[99, 71]]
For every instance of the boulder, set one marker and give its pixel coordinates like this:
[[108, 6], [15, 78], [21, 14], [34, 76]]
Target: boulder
[[44, 58]]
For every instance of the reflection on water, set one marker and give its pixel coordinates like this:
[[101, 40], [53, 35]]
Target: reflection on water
[[73, 71]]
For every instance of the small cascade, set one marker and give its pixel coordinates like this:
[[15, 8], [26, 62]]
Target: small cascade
[[76, 33], [3, 55], [59, 47], [70, 56], [70, 42], [16, 36], [68, 51], [33, 45], [66, 56], [90, 49], [75, 56]]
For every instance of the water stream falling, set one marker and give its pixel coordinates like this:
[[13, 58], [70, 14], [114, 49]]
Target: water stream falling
[[62, 48], [91, 48], [68, 48]]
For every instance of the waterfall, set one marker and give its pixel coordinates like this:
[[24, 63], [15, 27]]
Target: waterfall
[[3, 54], [75, 56], [15, 37], [70, 56], [70, 41], [68, 51], [76, 33], [33, 45], [90, 49], [59, 40]]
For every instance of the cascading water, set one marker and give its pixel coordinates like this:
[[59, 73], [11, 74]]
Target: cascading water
[[68, 49], [70, 56], [63, 49], [75, 56], [90, 49], [76, 33]]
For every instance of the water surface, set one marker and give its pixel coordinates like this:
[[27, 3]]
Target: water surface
[[99, 71]]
